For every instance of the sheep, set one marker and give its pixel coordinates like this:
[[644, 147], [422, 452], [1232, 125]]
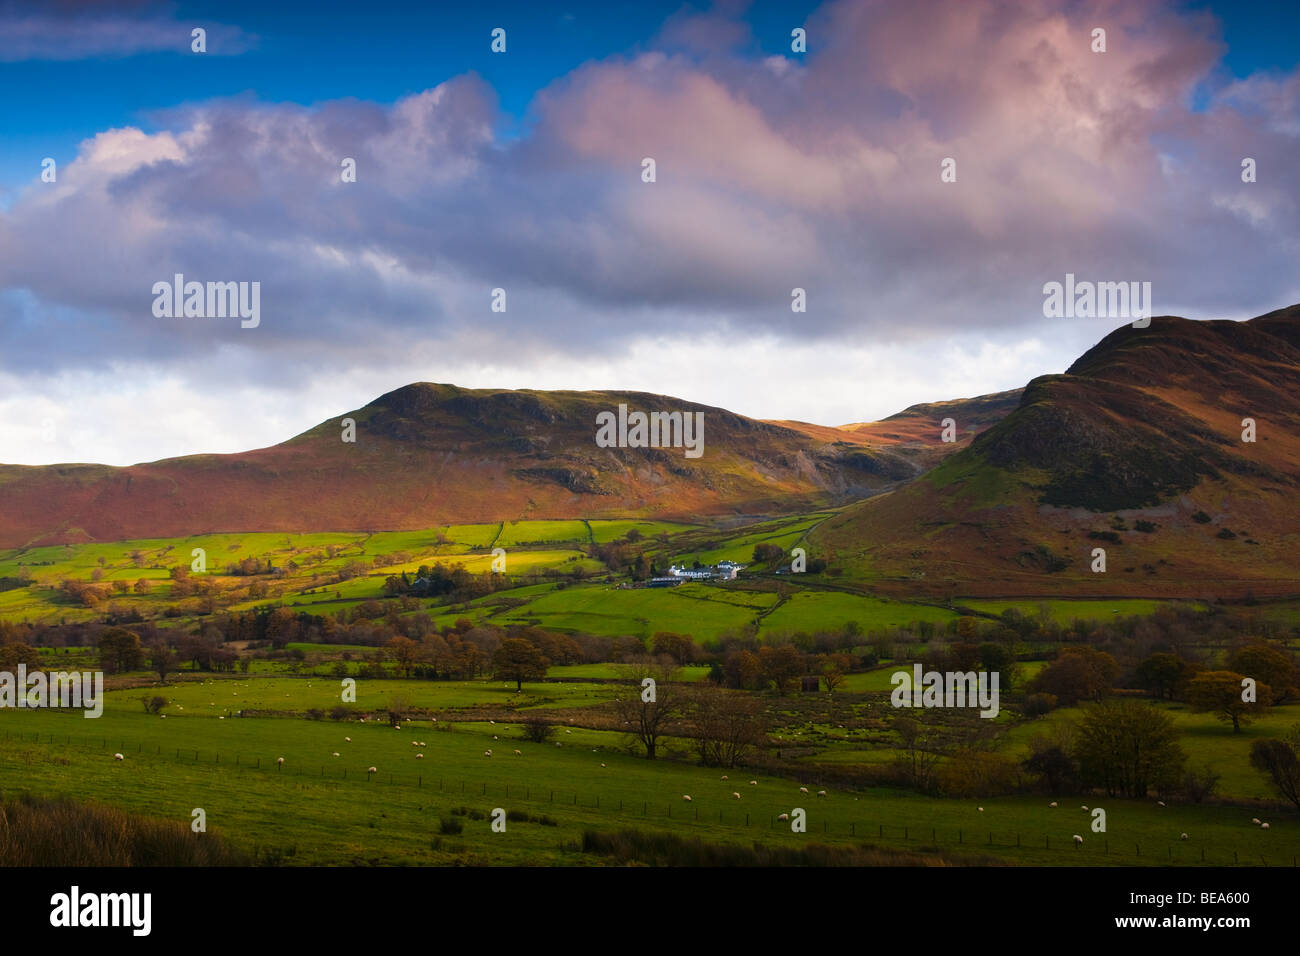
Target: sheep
[[753, 783], [724, 776], [567, 730], [1084, 809], [602, 765], [1263, 826], [395, 726], [491, 721], [279, 761], [1052, 804], [487, 753], [163, 716], [1160, 803], [736, 795], [519, 753], [495, 737], [419, 756], [784, 816], [1255, 820], [371, 770], [686, 797], [415, 743], [803, 789], [980, 809], [1078, 840], [1183, 837], [821, 793], [348, 739], [118, 757], [335, 754]]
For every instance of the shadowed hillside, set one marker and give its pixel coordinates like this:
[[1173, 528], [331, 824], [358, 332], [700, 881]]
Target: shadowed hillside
[[1137, 449]]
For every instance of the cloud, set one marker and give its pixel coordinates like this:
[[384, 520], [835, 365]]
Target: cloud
[[773, 172], [78, 31]]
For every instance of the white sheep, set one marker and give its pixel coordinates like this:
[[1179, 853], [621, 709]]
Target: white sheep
[[491, 721], [519, 753], [821, 793], [371, 770], [419, 756], [736, 795], [487, 753], [980, 809], [335, 754], [567, 730], [1077, 839], [1085, 809], [118, 757], [348, 739], [686, 797], [602, 765], [784, 816], [753, 783], [803, 789], [423, 744], [1183, 837], [1263, 826], [1255, 820], [1160, 803], [1052, 804], [279, 762], [415, 743]]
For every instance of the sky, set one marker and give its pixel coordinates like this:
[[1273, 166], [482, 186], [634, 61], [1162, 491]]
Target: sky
[[522, 170]]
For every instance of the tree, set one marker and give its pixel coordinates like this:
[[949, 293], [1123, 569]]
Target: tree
[[1161, 674], [162, 659], [1278, 759], [1078, 673], [680, 647], [1220, 693], [11, 655], [1268, 664], [647, 715], [519, 660], [915, 759], [154, 705], [405, 652], [120, 651], [538, 729], [1127, 747], [834, 668], [781, 665], [725, 724]]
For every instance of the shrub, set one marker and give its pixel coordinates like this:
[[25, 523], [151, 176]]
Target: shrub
[[451, 826], [339, 712], [1038, 704], [154, 705]]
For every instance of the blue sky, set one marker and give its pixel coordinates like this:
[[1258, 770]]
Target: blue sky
[[522, 171]]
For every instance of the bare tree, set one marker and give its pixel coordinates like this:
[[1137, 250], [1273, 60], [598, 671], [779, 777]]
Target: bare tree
[[726, 725], [651, 707]]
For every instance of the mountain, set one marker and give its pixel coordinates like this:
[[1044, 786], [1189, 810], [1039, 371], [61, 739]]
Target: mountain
[[428, 455], [1137, 449]]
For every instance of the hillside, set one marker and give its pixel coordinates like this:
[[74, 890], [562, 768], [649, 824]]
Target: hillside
[[427, 455], [1144, 427]]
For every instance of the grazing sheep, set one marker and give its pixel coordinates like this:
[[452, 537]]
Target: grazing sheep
[[1255, 820], [736, 795], [821, 793], [371, 770], [803, 789], [784, 816], [1077, 839], [724, 776], [980, 809], [491, 721], [1160, 803], [602, 765], [335, 754], [1052, 804], [163, 716], [415, 743], [1263, 826], [495, 737], [753, 783], [557, 743], [487, 753], [434, 719], [1083, 808], [1183, 837], [118, 757], [395, 726], [567, 730], [279, 761], [519, 753], [686, 797], [348, 739], [419, 756]]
